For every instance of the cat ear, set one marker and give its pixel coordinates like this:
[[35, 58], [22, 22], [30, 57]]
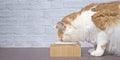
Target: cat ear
[[60, 26]]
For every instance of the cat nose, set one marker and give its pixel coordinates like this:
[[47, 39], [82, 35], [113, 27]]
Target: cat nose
[[61, 39]]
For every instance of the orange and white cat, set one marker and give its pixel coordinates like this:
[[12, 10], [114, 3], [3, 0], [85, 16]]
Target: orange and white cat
[[98, 23]]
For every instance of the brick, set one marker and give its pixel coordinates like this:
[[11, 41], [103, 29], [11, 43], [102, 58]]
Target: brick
[[49, 29], [57, 13], [57, 4], [74, 4]]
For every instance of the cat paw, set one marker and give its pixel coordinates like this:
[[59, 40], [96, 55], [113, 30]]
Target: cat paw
[[97, 53], [91, 50]]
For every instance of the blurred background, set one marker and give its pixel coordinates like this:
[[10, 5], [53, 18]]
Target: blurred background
[[30, 23]]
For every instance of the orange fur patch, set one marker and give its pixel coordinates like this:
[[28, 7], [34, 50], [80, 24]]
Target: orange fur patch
[[107, 14], [60, 34], [71, 17], [88, 7]]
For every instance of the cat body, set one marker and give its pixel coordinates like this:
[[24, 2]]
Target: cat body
[[97, 23]]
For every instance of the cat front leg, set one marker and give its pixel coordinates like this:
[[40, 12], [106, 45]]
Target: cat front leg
[[99, 51], [101, 44], [92, 49]]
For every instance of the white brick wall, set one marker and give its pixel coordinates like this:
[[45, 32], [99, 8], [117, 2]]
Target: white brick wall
[[29, 23]]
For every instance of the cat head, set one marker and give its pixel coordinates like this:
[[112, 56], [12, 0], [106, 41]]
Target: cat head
[[68, 29], [65, 28]]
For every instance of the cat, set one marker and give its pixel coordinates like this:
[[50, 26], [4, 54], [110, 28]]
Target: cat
[[97, 23]]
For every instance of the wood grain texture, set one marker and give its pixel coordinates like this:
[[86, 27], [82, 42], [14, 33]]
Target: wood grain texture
[[65, 50]]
